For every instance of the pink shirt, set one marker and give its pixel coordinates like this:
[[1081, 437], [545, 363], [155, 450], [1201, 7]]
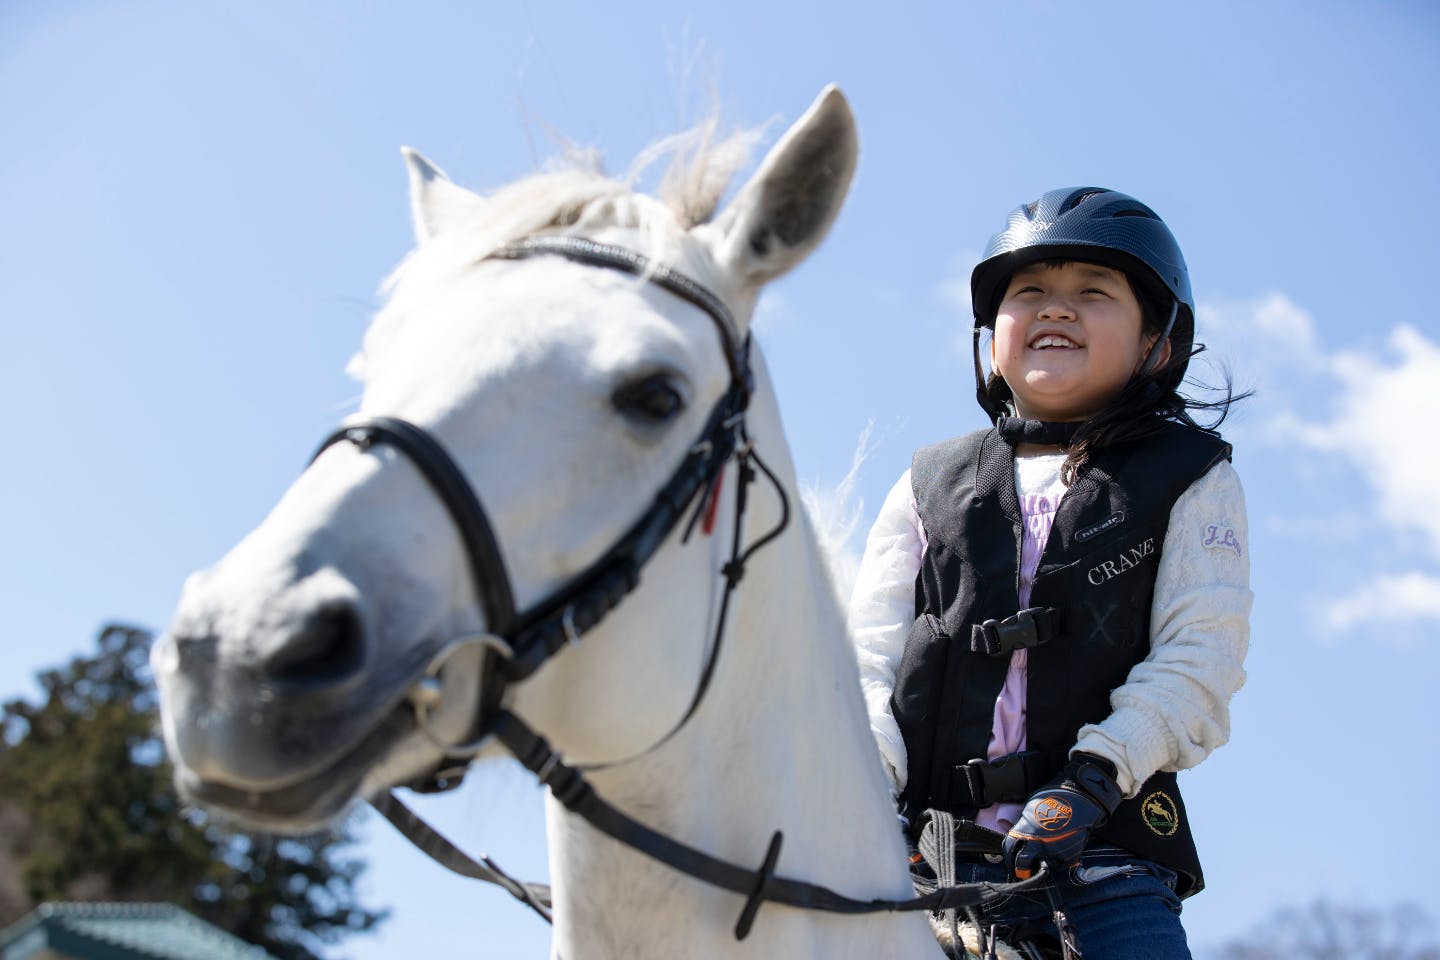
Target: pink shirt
[[1038, 484]]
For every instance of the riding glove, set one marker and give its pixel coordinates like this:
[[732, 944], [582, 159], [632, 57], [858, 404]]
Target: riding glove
[[1059, 818]]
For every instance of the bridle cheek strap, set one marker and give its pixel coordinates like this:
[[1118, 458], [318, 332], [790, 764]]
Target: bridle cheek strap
[[472, 523]]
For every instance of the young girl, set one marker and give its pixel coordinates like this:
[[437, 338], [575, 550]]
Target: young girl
[[1051, 614]]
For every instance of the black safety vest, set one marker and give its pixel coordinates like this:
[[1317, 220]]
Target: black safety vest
[[1096, 576]]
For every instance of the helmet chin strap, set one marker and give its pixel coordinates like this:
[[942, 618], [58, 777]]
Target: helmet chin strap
[[1152, 359], [991, 408], [1045, 433]]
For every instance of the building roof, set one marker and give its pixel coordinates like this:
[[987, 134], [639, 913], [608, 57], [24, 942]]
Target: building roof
[[121, 931]]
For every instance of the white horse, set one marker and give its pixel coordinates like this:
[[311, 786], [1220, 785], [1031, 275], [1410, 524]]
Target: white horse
[[567, 395]]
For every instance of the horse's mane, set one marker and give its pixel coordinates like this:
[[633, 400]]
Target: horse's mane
[[573, 194]]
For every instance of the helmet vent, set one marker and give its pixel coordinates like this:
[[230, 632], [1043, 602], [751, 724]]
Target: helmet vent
[[1079, 197], [1147, 214], [1031, 207]]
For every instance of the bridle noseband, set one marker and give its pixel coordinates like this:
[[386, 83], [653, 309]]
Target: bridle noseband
[[518, 643]]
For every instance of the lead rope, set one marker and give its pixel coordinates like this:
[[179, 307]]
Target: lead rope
[[569, 786], [438, 847]]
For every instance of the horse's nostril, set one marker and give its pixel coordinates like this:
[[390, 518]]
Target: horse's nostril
[[327, 649]]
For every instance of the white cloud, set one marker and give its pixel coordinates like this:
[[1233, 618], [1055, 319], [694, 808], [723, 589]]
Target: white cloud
[[1361, 408], [1257, 340], [1400, 599], [1275, 318], [1379, 404], [1282, 319]]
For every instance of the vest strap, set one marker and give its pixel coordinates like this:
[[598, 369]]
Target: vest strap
[[1008, 779], [1028, 628]]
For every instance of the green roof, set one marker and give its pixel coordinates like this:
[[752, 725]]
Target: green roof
[[121, 931]]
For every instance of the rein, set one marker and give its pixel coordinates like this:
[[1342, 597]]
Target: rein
[[517, 643]]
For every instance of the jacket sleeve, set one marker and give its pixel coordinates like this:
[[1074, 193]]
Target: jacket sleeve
[[882, 610], [1174, 707]]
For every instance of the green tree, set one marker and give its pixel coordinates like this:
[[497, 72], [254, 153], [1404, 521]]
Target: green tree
[[88, 811]]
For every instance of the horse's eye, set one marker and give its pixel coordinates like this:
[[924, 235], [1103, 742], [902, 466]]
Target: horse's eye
[[652, 400]]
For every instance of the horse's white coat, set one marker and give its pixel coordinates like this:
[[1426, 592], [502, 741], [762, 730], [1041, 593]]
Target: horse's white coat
[[512, 365]]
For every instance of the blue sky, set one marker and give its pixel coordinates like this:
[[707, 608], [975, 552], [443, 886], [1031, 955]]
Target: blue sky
[[198, 201]]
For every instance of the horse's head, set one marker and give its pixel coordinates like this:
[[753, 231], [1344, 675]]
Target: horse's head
[[326, 656]]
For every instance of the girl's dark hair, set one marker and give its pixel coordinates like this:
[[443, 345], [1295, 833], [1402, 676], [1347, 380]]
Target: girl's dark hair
[[1147, 402]]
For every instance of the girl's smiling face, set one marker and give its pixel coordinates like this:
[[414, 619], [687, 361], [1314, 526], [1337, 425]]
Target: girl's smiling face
[[1068, 337]]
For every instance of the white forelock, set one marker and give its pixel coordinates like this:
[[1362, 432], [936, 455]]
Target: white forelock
[[575, 196]]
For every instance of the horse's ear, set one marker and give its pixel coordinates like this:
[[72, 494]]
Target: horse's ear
[[787, 207], [435, 202]]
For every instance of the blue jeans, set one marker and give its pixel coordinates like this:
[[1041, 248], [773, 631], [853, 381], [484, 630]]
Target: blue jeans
[[1121, 907]]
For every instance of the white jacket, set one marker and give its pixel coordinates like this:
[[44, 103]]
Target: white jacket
[[1173, 708]]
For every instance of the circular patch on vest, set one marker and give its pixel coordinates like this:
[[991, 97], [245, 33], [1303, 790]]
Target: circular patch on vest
[[1160, 814]]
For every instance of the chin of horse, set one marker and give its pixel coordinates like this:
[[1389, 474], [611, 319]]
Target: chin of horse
[[280, 712], [308, 804]]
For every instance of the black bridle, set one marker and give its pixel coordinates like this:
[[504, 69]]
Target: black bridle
[[517, 643]]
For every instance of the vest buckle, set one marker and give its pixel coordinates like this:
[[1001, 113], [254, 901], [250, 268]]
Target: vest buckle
[[1008, 779], [1020, 631]]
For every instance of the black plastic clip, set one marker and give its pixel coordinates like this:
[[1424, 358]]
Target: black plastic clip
[[1001, 780], [762, 884], [1027, 628]]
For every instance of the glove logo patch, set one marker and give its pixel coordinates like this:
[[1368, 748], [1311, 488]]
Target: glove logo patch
[[1053, 814], [1160, 814]]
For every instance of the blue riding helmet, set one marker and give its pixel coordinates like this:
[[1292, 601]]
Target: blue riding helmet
[[1093, 225]]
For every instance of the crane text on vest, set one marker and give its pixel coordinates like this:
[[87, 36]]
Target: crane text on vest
[[1129, 559]]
